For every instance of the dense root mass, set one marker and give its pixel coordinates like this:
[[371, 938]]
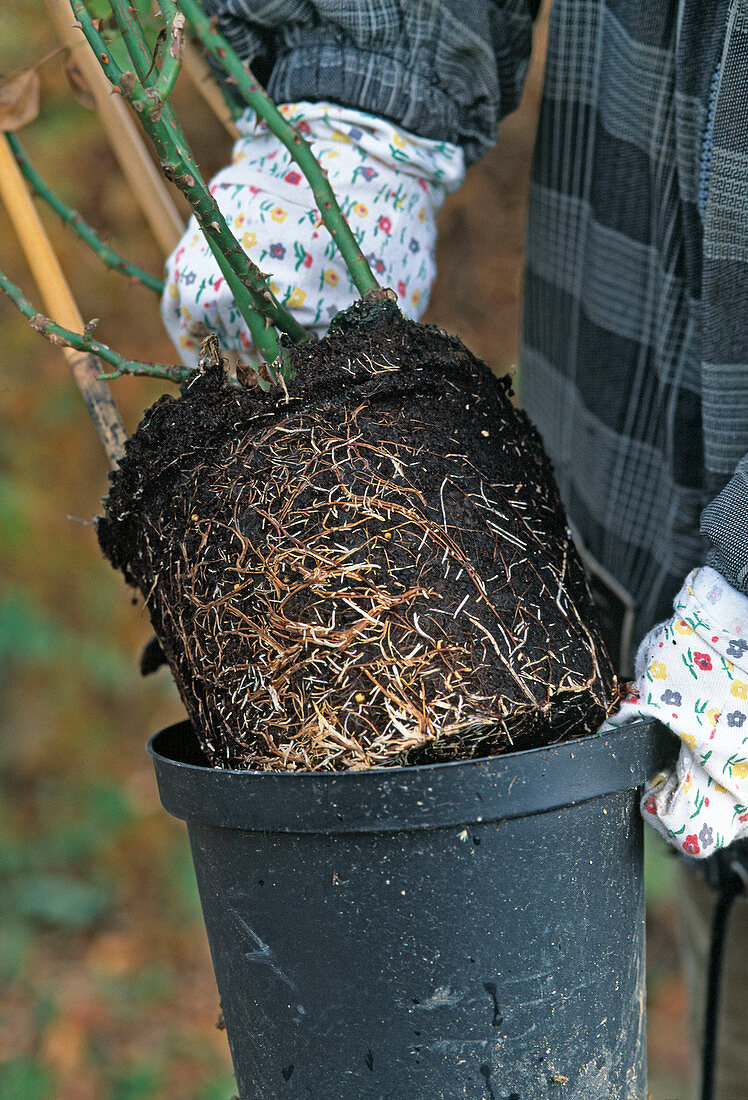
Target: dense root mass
[[371, 569]]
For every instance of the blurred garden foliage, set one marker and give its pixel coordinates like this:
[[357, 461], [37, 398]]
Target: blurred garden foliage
[[104, 970], [106, 989]]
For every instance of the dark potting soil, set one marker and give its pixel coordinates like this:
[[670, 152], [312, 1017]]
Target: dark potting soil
[[372, 568]]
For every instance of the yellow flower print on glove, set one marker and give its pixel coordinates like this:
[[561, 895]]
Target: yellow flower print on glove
[[296, 298], [739, 689]]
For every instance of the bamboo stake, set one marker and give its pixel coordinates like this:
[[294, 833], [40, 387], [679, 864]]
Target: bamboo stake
[[59, 302], [144, 178], [200, 74]]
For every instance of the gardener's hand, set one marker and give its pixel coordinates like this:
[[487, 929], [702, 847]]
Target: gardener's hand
[[692, 674], [389, 184]]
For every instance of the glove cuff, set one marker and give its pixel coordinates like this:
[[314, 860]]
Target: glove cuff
[[328, 126]]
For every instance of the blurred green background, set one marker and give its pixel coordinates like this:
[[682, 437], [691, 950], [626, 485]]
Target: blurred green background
[[106, 989]]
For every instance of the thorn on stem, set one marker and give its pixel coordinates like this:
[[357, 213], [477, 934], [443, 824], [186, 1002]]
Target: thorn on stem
[[159, 39]]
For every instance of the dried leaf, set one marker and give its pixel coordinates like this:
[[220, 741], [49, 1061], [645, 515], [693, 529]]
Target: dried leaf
[[264, 374], [78, 84], [246, 376], [19, 99]]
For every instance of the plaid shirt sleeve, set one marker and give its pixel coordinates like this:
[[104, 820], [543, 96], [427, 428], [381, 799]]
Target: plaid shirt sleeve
[[635, 351], [443, 69], [724, 352]]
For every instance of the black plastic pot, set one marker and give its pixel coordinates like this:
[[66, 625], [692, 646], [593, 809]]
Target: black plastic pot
[[470, 929]]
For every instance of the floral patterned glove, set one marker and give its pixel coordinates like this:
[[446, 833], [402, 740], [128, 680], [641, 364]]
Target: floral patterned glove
[[390, 185], [692, 674]]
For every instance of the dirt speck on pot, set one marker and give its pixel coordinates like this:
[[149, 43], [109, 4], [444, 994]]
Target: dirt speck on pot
[[370, 569]]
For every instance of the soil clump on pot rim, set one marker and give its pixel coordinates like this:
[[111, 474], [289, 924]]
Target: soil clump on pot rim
[[371, 568]]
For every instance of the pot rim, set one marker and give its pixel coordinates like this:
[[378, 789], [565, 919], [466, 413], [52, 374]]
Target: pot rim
[[459, 792]]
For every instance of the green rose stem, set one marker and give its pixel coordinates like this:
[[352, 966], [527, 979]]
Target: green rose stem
[[249, 288], [65, 337], [254, 300], [134, 41], [172, 63], [136, 46], [73, 218], [330, 212]]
